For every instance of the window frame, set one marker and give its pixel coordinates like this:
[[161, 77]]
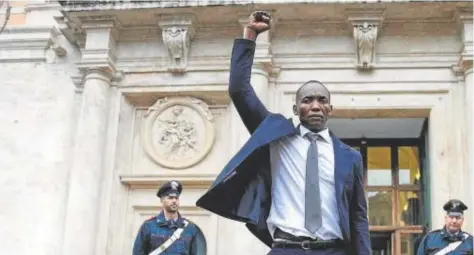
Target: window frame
[[395, 188]]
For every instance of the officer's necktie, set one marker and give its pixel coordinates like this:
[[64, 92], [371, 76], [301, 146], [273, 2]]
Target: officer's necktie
[[313, 218]]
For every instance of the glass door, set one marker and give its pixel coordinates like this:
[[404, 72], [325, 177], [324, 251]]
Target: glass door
[[381, 243], [393, 186]]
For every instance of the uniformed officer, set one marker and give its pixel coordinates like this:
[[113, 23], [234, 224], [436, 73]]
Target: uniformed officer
[[169, 233], [450, 239]]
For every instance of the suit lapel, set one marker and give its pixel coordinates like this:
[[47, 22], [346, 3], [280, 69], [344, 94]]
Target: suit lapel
[[272, 128], [342, 165]]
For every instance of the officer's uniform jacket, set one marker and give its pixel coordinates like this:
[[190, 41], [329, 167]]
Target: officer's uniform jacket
[[439, 239], [155, 231]]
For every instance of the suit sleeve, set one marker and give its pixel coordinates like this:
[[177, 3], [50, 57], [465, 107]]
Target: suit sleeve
[[141, 245], [421, 247], [248, 105], [198, 244], [359, 223]]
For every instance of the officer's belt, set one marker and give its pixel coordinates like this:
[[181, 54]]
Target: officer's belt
[[176, 235]]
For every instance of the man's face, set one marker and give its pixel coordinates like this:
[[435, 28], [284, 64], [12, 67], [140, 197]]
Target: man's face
[[170, 203], [453, 223], [312, 106]]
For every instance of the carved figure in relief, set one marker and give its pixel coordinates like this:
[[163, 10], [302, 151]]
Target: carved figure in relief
[[176, 41], [365, 37], [179, 135]]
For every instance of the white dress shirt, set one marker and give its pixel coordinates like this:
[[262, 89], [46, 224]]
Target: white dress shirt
[[288, 168]]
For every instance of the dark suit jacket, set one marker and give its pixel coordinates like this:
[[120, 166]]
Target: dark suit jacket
[[242, 190]]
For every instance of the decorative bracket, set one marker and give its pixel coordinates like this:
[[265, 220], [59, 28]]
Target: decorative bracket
[[366, 26], [177, 32]]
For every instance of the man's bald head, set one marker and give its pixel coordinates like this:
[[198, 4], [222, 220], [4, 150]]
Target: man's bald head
[[312, 105], [313, 85]]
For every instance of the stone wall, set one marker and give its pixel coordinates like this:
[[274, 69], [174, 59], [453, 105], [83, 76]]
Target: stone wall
[[72, 115]]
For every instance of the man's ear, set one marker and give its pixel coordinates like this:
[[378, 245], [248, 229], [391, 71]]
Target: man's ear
[[330, 110], [295, 110]]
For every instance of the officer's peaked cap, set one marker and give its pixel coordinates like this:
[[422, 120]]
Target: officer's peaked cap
[[455, 207], [171, 187]]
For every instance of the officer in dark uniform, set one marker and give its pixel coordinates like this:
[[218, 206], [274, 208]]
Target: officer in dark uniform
[[169, 233], [450, 239]]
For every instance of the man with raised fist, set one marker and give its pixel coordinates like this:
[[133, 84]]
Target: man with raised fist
[[298, 189]]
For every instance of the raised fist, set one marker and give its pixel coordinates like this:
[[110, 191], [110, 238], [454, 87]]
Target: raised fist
[[259, 21]]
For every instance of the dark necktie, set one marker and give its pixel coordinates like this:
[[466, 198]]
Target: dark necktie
[[313, 218]]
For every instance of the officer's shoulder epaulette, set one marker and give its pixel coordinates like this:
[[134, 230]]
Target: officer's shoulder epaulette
[[188, 220], [153, 218], [434, 231], [467, 234]]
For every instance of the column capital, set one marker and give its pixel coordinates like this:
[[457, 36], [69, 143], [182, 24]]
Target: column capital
[[365, 25], [98, 54], [177, 31], [99, 22], [464, 20]]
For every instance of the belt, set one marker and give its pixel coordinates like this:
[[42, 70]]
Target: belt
[[289, 241], [306, 245]]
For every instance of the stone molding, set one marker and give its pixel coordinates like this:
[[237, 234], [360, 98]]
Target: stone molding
[[177, 34], [464, 20], [76, 6], [189, 181], [178, 132], [366, 26], [30, 44]]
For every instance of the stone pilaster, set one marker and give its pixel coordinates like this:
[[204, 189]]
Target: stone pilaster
[[97, 70], [464, 19]]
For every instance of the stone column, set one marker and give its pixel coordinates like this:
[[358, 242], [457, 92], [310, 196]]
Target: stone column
[[86, 173], [465, 65]]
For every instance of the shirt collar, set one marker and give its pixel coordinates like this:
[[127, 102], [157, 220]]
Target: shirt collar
[[162, 221], [323, 133]]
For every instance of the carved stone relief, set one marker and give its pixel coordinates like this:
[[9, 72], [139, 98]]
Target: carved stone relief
[[366, 25], [365, 36], [177, 33], [178, 132]]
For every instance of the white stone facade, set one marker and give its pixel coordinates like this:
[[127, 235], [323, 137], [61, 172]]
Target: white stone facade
[[81, 159]]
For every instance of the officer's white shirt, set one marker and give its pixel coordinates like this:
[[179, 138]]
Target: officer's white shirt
[[288, 168]]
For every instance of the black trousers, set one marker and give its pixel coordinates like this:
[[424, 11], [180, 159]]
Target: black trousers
[[328, 251]]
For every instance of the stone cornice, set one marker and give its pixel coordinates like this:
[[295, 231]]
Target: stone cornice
[[32, 6], [189, 181], [73, 5], [29, 44], [296, 61]]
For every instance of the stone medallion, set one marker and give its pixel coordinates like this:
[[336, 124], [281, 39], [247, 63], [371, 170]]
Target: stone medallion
[[178, 132]]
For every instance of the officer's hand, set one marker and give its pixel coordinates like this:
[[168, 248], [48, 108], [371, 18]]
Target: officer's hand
[[259, 21]]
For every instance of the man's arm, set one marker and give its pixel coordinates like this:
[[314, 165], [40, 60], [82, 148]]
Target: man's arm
[[198, 243], [359, 224], [248, 105], [421, 247], [141, 245]]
